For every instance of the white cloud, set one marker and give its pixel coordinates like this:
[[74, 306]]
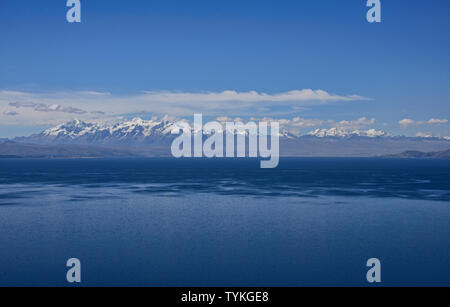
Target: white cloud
[[356, 124], [40, 107], [407, 122], [306, 123], [251, 96], [98, 112], [48, 107], [433, 121], [224, 119], [10, 113], [294, 125], [299, 126], [424, 135]]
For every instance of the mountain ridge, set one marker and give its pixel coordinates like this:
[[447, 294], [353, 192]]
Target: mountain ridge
[[141, 131], [139, 137], [421, 155]]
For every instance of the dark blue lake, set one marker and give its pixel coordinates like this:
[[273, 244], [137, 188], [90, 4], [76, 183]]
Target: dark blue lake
[[167, 222]]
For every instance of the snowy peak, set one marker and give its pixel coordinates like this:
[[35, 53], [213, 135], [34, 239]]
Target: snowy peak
[[71, 129], [140, 127], [81, 132]]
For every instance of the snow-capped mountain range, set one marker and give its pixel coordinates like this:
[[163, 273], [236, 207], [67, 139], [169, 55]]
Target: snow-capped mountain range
[[139, 137], [149, 131], [340, 132], [134, 128], [139, 132], [127, 132]]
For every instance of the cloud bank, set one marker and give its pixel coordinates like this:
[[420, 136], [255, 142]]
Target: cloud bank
[[299, 126], [10, 113], [47, 107], [407, 122], [40, 107], [251, 96]]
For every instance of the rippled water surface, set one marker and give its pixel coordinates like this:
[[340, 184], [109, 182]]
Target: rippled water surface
[[224, 222]]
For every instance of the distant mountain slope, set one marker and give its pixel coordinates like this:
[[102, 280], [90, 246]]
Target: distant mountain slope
[[422, 155], [25, 150], [356, 146], [153, 137]]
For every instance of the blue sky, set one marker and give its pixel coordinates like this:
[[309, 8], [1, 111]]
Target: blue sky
[[125, 54]]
